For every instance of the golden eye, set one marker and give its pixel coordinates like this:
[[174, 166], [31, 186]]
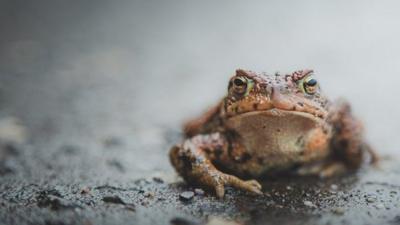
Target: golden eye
[[240, 86], [309, 85]]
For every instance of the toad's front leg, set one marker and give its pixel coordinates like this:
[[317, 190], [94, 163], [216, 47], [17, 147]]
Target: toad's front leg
[[193, 161]]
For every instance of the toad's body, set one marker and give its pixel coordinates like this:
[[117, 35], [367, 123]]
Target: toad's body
[[269, 123]]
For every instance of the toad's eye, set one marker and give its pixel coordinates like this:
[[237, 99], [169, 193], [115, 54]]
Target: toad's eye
[[239, 81], [240, 86], [309, 85]]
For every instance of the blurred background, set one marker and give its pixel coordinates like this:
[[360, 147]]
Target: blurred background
[[90, 75]]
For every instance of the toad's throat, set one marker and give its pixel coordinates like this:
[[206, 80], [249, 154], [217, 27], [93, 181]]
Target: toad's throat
[[277, 134]]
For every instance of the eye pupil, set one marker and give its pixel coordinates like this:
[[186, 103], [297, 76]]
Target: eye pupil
[[238, 82], [310, 85], [312, 82]]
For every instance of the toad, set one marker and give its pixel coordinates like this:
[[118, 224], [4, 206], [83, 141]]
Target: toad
[[268, 124]]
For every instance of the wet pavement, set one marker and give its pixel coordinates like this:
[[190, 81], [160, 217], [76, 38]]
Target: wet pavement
[[67, 186], [92, 96]]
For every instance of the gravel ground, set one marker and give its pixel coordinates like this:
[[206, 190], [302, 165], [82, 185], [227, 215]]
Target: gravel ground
[[68, 186], [93, 94]]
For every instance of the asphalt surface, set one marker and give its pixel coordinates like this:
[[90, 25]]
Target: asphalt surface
[[93, 94], [66, 185]]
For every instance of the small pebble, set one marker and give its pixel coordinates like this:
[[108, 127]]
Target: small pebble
[[85, 190], [379, 206], [371, 199], [199, 191], [158, 180], [149, 194], [186, 195], [338, 211], [113, 199], [334, 187], [309, 204]]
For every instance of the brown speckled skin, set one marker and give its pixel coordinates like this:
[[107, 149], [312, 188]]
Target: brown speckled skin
[[269, 125]]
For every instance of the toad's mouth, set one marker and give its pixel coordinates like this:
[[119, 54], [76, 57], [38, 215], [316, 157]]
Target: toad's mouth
[[280, 114], [313, 113], [277, 101]]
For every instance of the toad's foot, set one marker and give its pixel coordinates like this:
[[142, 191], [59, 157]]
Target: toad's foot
[[220, 180], [193, 161]]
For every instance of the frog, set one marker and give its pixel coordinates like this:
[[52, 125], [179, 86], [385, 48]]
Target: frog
[[270, 124]]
